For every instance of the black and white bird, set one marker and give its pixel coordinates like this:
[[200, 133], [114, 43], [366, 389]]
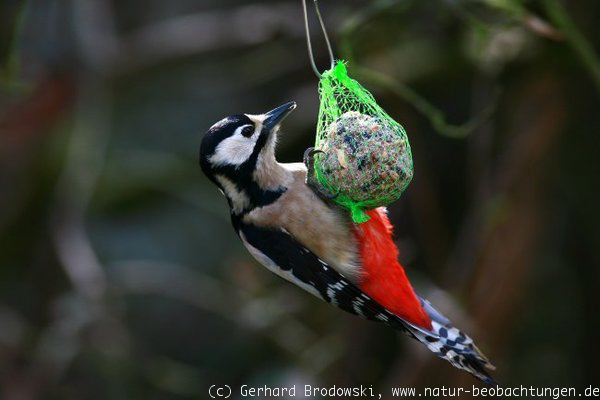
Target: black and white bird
[[302, 237]]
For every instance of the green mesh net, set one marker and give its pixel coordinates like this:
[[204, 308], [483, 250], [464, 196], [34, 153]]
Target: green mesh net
[[366, 160]]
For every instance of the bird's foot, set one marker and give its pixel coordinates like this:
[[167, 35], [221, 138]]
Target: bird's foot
[[311, 179], [309, 158]]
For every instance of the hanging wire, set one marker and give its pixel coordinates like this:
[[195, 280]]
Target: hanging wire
[[308, 41]]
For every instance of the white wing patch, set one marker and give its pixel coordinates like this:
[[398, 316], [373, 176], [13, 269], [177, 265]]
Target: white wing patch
[[357, 305], [333, 289], [382, 317]]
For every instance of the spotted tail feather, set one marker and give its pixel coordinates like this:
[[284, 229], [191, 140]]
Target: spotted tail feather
[[452, 345]]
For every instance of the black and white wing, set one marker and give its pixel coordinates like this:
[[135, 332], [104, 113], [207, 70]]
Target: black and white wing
[[283, 255]]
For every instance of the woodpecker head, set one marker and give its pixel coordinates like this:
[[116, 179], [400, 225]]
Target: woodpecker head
[[238, 155]]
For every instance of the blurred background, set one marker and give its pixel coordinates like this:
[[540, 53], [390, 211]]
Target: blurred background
[[120, 276]]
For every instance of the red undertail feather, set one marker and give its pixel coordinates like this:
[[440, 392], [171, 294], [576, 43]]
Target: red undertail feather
[[384, 278]]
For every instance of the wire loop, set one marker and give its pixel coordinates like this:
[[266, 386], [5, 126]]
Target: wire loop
[[308, 41]]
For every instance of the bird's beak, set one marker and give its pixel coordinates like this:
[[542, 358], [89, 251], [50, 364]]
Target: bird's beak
[[275, 116]]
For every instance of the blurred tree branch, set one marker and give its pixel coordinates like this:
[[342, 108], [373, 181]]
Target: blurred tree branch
[[575, 39], [9, 72], [495, 251], [517, 11], [435, 116], [207, 31]]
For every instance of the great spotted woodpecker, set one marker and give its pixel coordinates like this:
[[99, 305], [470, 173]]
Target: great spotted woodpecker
[[297, 234]]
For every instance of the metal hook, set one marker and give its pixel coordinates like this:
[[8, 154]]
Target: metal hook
[[308, 41]]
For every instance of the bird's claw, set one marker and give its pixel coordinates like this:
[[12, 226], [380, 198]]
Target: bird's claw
[[309, 157], [311, 180]]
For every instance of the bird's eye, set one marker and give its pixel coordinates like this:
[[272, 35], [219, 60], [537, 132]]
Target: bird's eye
[[247, 131]]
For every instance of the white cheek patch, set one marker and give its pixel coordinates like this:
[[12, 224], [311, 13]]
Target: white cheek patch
[[236, 149]]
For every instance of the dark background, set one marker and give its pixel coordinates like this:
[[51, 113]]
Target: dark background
[[120, 276]]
